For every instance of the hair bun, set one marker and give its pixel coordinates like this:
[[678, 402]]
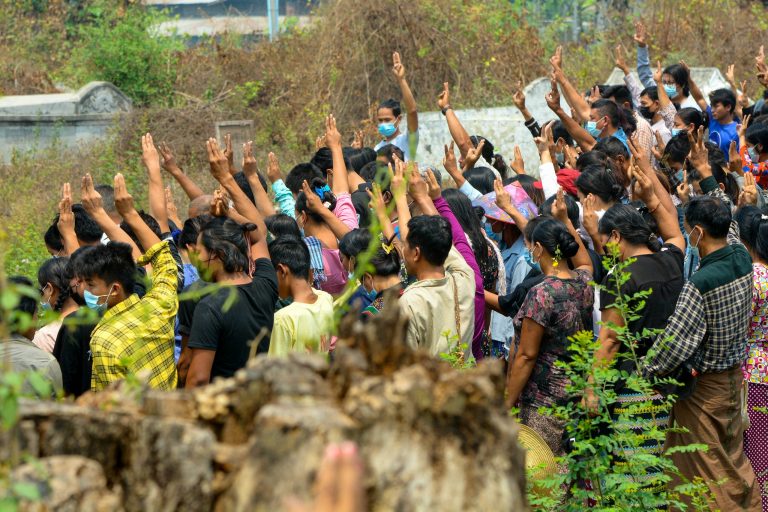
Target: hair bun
[[248, 227], [567, 244]]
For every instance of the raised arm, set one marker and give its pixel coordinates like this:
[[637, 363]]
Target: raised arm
[[695, 91], [171, 167], [124, 204], [572, 96], [220, 171], [559, 210], [530, 122], [669, 227], [315, 205], [66, 222], [156, 192], [94, 207], [251, 172], [633, 84], [643, 57], [642, 159], [664, 100], [333, 141], [579, 134], [504, 201], [283, 196], [458, 133], [398, 188], [405, 91]]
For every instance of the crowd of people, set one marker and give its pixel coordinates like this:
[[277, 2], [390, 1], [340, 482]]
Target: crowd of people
[[485, 259]]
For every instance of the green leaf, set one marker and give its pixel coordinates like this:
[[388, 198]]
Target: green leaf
[[26, 490]]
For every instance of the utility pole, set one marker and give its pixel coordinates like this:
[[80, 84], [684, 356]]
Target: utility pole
[[273, 7]]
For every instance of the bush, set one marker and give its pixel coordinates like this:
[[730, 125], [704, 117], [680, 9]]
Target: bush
[[116, 46]]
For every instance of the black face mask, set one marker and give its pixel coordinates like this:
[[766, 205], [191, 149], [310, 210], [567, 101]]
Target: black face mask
[[646, 113]]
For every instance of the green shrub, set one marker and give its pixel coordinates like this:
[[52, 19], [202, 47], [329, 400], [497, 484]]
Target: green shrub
[[121, 46]]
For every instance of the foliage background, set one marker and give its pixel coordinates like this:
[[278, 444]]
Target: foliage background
[[340, 63]]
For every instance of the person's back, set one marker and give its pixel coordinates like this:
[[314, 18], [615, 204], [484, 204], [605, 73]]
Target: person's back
[[303, 328], [24, 356], [228, 326], [306, 324], [134, 335], [18, 351], [440, 307]]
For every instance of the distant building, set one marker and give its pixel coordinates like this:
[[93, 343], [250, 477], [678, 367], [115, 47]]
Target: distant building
[[202, 18]]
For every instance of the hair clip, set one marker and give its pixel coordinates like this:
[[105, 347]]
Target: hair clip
[[388, 248], [764, 217]]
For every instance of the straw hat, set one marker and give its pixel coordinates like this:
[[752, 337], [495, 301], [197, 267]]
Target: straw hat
[[538, 454]]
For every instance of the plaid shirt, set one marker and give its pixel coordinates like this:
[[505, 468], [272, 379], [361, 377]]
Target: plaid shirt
[[709, 325], [137, 334]]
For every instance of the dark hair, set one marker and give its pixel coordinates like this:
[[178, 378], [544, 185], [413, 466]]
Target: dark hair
[[712, 214], [757, 133], [629, 223], [677, 149], [749, 219], [432, 235], [323, 160], [571, 209], [611, 147], [601, 182], [725, 97], [462, 209], [149, 221], [393, 104], [591, 158], [527, 182], [242, 181], [619, 93], [107, 193], [364, 156], [559, 132], [191, 230], [86, 229], [717, 165], [754, 230], [680, 75], [291, 252], [552, 235], [299, 174], [58, 272], [619, 116], [387, 150], [281, 225], [354, 242], [652, 93], [228, 240], [371, 170], [111, 263], [690, 115], [328, 200], [26, 303], [488, 149], [481, 178]]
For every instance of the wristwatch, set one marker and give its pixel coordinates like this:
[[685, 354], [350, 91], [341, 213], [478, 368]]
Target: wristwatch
[[446, 109]]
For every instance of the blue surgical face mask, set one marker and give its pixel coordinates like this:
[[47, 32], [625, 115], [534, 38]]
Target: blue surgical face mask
[[753, 154], [92, 301], [496, 237], [592, 129], [45, 305], [528, 257], [671, 90], [677, 131], [387, 129]]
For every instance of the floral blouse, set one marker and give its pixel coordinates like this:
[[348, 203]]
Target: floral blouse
[[563, 307], [756, 364]]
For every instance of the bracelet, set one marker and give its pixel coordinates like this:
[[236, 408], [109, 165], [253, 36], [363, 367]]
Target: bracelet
[[446, 109]]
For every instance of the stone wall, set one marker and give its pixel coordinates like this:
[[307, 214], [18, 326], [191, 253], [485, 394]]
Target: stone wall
[[68, 119]]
